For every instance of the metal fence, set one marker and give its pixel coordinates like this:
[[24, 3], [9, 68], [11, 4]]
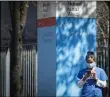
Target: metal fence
[[103, 59], [29, 63], [4, 73], [29, 71], [103, 53]]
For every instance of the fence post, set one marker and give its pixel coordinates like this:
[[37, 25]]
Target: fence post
[[7, 76], [34, 72]]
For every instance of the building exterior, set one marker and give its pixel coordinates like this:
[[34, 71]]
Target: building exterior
[[29, 54]]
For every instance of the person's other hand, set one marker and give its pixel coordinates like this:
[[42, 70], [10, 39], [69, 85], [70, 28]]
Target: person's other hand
[[94, 74]]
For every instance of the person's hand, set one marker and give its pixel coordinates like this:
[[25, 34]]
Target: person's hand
[[94, 74], [85, 76]]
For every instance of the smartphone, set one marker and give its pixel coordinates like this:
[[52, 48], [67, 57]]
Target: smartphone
[[89, 71]]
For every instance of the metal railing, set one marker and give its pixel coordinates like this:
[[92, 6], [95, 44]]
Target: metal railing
[[29, 70], [103, 53], [103, 59]]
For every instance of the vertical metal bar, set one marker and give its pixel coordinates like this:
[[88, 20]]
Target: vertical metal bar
[[29, 70], [26, 73], [4, 75], [7, 72], [97, 57], [32, 71], [23, 65], [23, 68], [30, 74], [0, 76], [99, 61], [21, 53], [1, 73], [105, 58], [36, 72], [102, 58]]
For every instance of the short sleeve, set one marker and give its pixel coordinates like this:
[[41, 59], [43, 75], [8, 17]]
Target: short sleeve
[[79, 76], [103, 75]]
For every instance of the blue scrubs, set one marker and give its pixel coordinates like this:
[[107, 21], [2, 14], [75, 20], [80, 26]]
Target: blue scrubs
[[90, 89]]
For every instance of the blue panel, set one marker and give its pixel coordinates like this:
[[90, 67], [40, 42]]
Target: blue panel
[[46, 61], [74, 37]]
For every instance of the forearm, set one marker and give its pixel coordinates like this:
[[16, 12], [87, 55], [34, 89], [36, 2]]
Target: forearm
[[81, 82], [101, 83]]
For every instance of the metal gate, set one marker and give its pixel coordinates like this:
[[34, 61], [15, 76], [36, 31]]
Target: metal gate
[[103, 59], [29, 71], [103, 53]]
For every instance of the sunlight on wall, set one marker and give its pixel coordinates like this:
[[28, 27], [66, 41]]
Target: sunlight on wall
[[74, 37], [72, 45]]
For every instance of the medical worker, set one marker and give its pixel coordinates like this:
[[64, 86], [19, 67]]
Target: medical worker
[[92, 79]]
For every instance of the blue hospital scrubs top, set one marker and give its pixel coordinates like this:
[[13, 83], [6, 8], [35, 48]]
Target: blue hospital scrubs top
[[90, 89]]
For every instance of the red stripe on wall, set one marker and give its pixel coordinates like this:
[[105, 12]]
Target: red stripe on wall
[[46, 22]]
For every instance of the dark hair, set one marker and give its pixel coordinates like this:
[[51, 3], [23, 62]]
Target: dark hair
[[90, 54]]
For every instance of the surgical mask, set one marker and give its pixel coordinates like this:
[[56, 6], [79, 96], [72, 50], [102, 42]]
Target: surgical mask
[[91, 65]]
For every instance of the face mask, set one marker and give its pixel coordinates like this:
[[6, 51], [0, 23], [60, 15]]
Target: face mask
[[91, 65]]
